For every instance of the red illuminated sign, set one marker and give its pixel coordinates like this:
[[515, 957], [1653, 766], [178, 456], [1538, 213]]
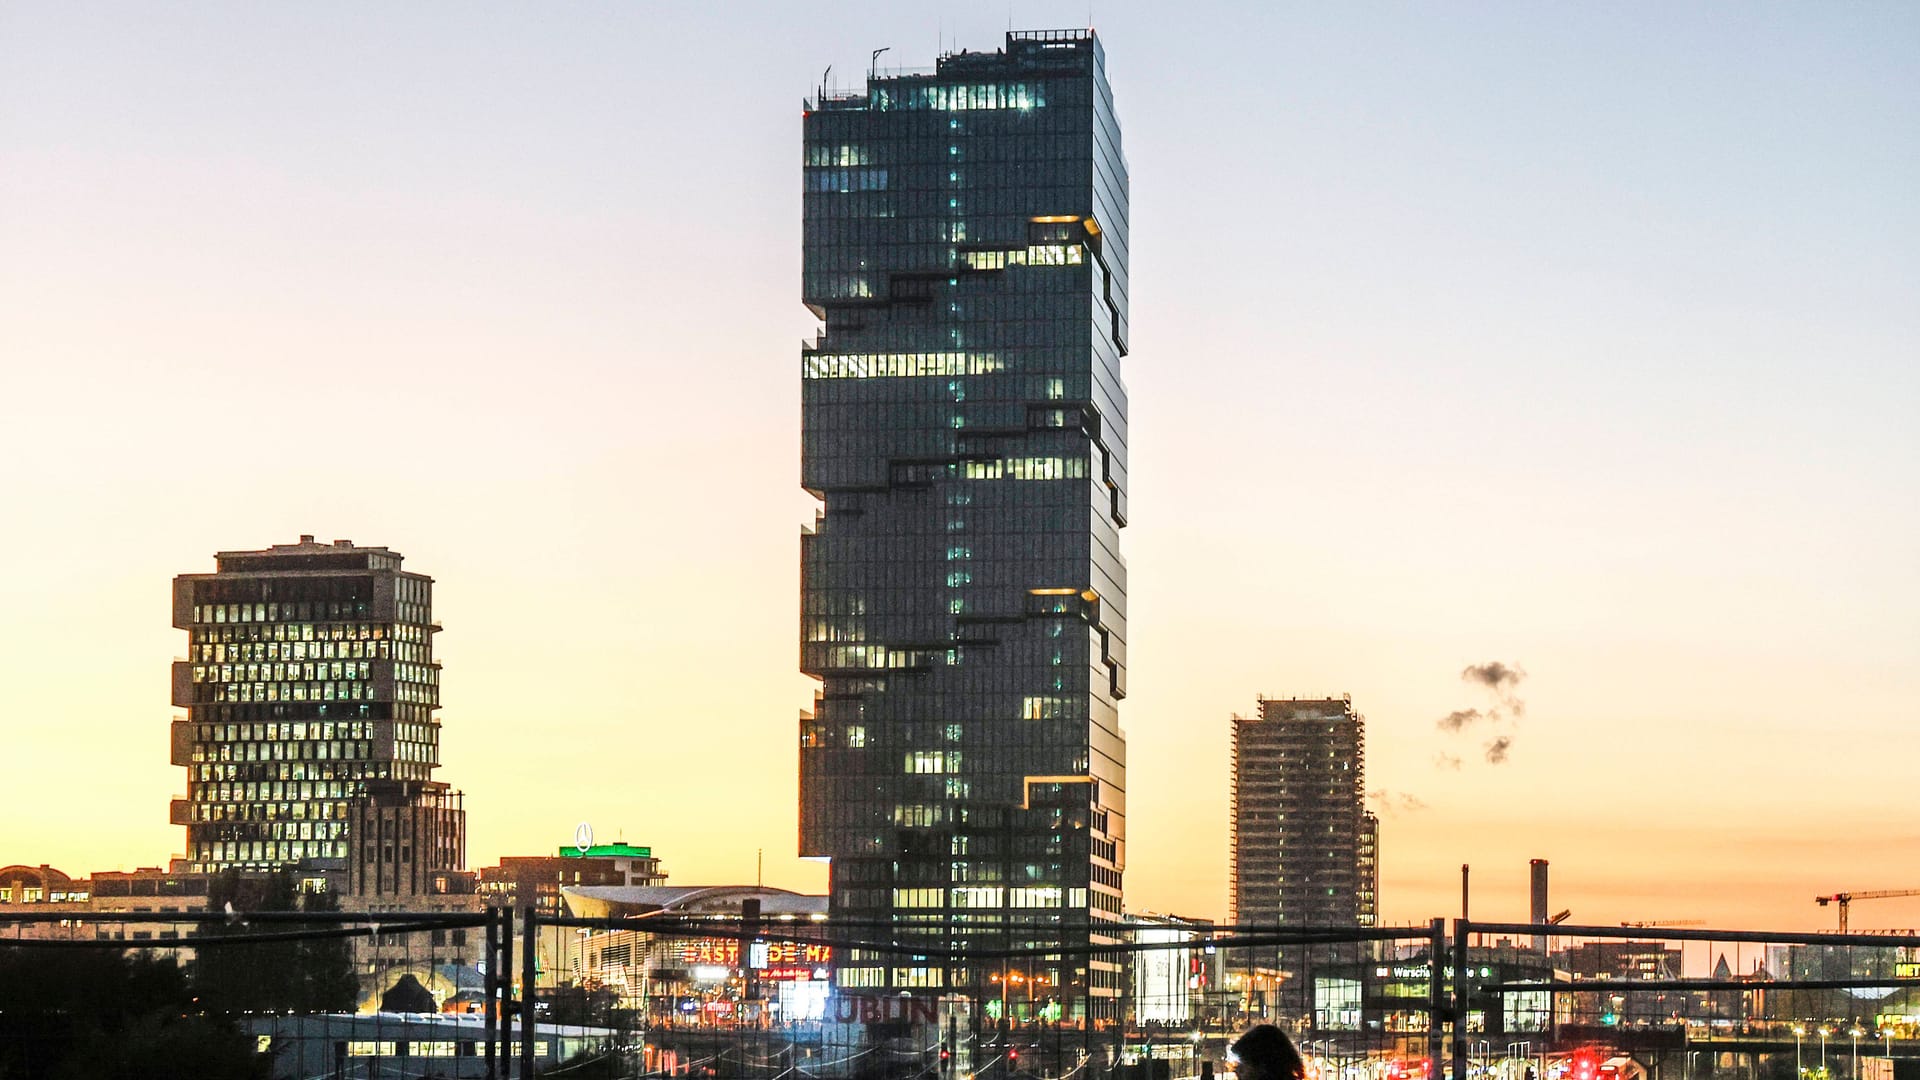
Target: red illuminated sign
[[716, 951], [770, 956]]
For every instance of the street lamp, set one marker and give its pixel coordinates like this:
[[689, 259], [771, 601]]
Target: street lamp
[[1856, 1033], [1824, 1031], [1799, 1067]]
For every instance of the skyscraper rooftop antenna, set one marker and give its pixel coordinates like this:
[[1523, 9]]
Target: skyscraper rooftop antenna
[[873, 62]]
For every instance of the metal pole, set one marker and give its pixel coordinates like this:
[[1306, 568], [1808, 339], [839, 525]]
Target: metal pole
[[1001, 1053], [529, 982], [1436, 995], [1460, 990], [749, 930], [506, 993], [492, 965]]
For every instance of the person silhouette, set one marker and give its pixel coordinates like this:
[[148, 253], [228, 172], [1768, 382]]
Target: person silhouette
[[1265, 1053]]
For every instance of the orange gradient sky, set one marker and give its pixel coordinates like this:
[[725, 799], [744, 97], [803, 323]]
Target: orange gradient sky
[[1582, 340]]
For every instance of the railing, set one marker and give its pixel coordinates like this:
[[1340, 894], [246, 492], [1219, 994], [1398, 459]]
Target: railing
[[1694, 1002], [1051, 35], [503, 994]]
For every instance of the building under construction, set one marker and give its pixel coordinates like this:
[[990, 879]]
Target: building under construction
[[1304, 848]]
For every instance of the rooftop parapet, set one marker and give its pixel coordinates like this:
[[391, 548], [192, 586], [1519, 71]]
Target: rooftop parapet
[[1025, 51]]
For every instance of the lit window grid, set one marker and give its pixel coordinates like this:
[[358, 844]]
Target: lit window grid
[[263, 794]]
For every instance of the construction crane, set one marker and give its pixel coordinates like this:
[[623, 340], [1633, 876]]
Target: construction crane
[[1846, 898], [1645, 923]]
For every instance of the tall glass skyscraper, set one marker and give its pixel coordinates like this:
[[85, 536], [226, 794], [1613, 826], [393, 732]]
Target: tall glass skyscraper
[[963, 597]]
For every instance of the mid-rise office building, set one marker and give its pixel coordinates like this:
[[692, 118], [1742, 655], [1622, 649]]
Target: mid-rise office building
[[147, 897], [1304, 847], [309, 677], [963, 597], [534, 882]]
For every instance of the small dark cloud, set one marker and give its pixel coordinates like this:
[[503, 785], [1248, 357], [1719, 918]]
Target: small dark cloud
[[1497, 749], [1500, 681], [1493, 675], [1388, 803]]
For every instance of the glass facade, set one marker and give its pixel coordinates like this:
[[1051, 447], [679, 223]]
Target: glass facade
[[963, 597], [309, 674]]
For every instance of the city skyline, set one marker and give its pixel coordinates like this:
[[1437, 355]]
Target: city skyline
[[1580, 342]]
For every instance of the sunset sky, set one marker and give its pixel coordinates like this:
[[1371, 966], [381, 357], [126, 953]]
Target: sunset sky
[[1585, 339]]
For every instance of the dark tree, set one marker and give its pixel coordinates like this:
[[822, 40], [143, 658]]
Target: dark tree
[[327, 966], [169, 1048], [274, 976], [586, 1006], [106, 1015]]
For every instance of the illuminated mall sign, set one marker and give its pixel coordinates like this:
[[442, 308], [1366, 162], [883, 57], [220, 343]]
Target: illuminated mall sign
[[779, 961]]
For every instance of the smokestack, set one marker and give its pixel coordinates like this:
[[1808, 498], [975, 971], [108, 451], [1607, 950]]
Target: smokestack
[[1539, 917]]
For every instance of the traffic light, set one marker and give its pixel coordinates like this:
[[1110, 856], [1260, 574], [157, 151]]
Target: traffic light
[[1013, 1055]]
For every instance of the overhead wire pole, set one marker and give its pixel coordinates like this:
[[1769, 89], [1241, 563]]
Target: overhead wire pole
[[1460, 999], [504, 1018], [1460, 976], [492, 984], [1436, 994], [529, 979]]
